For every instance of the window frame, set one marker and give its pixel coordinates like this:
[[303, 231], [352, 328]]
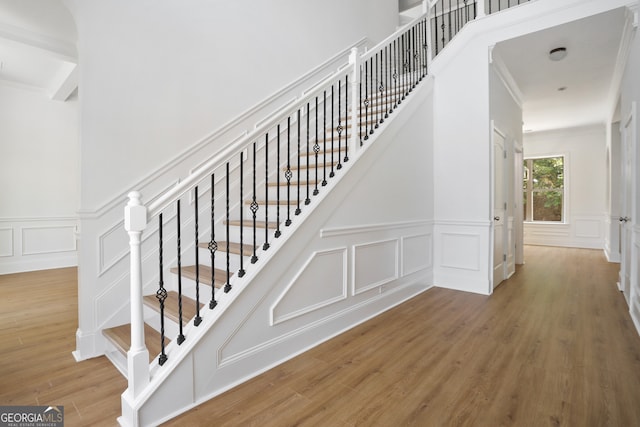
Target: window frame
[[529, 191]]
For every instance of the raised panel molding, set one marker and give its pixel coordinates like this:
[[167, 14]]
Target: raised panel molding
[[416, 253], [322, 281], [374, 264], [588, 228], [460, 251], [38, 240], [6, 242]]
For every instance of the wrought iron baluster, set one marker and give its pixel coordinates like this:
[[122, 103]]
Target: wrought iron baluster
[[387, 80], [347, 115], [308, 200], [288, 174], [213, 246], [339, 129], [450, 35], [197, 320], [277, 232], [366, 101], [179, 256], [297, 211], [254, 209], [333, 130], [381, 90], [395, 75], [161, 294], [377, 103], [241, 271], [227, 285], [324, 143], [266, 245], [435, 27], [316, 150], [372, 91]]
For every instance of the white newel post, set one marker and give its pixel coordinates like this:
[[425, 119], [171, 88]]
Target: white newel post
[[135, 221], [481, 10], [354, 61]]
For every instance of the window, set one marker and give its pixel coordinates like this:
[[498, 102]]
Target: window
[[544, 189]]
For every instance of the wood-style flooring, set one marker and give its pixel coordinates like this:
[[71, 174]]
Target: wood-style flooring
[[553, 346]]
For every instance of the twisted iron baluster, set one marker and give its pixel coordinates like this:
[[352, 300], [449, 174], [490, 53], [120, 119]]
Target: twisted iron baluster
[[288, 174], [265, 246], [331, 173], [180, 334], [324, 143], [366, 101], [381, 90], [161, 295], [241, 272], [197, 320], [297, 212], [340, 128], [277, 232], [213, 247], [254, 208], [348, 116], [227, 285], [316, 150], [308, 200], [371, 83]]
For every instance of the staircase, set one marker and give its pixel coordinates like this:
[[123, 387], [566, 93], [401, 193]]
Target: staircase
[[239, 295], [312, 168]]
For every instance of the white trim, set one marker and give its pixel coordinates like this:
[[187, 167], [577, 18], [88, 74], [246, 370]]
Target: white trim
[[371, 228]]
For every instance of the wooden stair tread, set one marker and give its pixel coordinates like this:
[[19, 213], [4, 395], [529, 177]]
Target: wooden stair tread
[[249, 223], [171, 306], [120, 336], [234, 248], [189, 271]]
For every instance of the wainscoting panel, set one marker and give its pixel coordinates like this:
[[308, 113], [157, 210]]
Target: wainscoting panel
[[322, 282], [580, 231], [6, 242], [462, 255], [460, 251], [28, 244], [374, 264], [416, 253], [48, 240]]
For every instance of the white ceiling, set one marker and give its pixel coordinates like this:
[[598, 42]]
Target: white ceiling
[[587, 71], [37, 47]]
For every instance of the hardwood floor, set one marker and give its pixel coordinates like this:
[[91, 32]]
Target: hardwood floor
[[38, 322], [554, 346]]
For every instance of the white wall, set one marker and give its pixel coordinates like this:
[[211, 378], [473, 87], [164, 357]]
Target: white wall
[[584, 149], [158, 76], [39, 171]]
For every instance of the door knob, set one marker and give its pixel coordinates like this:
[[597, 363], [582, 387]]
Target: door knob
[[496, 218], [624, 219]]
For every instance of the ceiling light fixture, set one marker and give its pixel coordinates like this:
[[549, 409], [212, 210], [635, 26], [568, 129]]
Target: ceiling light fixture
[[558, 53], [562, 88]]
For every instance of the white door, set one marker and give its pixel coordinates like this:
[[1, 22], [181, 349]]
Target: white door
[[499, 208], [627, 202]]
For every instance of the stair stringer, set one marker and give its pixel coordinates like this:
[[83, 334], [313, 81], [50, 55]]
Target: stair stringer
[[377, 241]]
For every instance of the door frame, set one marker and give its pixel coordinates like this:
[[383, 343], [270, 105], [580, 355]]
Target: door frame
[[496, 130]]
